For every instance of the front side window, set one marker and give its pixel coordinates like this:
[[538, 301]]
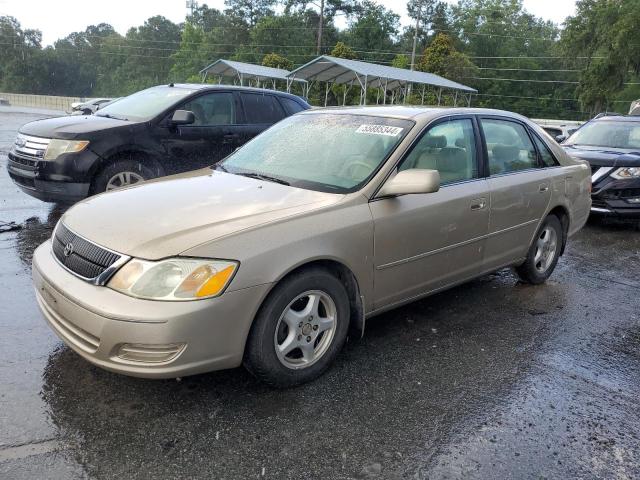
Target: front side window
[[509, 146], [448, 147], [326, 152], [212, 109], [291, 106], [261, 109]]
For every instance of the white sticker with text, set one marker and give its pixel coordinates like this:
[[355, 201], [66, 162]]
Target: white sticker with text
[[380, 130]]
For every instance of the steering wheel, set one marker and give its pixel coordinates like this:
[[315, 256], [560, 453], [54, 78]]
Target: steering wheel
[[351, 169]]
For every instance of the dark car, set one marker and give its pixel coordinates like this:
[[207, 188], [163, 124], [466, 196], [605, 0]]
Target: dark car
[[611, 145], [155, 132]]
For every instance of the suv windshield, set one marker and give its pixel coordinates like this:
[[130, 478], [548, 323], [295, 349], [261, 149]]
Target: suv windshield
[[608, 133], [144, 105], [327, 152]]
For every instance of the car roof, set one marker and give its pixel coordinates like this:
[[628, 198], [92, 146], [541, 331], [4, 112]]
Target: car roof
[[209, 86], [618, 118], [412, 112]]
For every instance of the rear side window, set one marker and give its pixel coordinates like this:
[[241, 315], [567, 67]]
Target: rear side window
[[547, 158], [291, 106], [261, 109], [509, 146]]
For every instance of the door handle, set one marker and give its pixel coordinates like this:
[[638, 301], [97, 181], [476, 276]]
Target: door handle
[[229, 137], [543, 188], [478, 204]]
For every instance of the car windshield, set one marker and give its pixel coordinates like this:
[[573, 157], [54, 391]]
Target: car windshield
[[326, 152], [610, 134], [144, 105]]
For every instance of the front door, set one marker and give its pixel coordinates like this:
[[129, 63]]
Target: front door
[[428, 241], [210, 138], [520, 190]]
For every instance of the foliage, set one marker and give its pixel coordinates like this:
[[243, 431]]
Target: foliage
[[517, 61], [277, 61], [606, 32], [342, 51], [442, 58]]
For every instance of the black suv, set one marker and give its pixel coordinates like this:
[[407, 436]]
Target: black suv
[[159, 131], [611, 145]]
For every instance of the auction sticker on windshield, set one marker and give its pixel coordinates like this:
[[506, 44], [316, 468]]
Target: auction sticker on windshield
[[380, 130]]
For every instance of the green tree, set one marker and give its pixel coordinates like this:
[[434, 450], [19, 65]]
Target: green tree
[[607, 33], [400, 61], [274, 60], [373, 28], [442, 58], [342, 51], [251, 11]]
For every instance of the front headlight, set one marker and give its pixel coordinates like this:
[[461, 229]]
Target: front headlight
[[174, 279], [58, 147], [626, 172]]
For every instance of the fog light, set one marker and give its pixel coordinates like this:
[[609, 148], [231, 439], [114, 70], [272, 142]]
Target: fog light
[[138, 352], [633, 200]]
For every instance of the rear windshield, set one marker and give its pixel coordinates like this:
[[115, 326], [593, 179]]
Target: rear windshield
[[326, 152], [604, 133], [146, 104]]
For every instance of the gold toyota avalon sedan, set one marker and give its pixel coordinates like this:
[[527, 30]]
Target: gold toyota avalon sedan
[[272, 257]]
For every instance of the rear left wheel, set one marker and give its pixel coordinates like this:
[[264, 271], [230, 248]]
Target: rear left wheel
[[299, 330], [544, 252]]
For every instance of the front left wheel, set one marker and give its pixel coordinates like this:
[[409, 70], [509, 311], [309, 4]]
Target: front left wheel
[[299, 330]]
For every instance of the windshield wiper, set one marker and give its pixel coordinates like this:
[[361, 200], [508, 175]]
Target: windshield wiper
[[107, 115], [261, 176]]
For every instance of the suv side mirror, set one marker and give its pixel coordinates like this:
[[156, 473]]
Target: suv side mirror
[[561, 138], [183, 117], [415, 180]]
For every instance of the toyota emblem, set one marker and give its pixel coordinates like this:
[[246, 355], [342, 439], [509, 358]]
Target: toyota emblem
[[68, 249], [20, 142]]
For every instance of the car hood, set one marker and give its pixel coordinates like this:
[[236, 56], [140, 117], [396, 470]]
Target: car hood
[[71, 127], [168, 216], [604, 157]]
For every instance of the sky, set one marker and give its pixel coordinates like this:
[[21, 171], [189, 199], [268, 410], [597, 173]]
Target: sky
[[58, 18]]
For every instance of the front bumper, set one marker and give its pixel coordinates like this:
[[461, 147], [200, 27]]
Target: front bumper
[[66, 179], [615, 197], [96, 322]]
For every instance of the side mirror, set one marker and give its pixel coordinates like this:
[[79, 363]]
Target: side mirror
[[411, 181], [561, 138], [183, 117]]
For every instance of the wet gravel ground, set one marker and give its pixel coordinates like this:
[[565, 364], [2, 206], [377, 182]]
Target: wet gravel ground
[[493, 379]]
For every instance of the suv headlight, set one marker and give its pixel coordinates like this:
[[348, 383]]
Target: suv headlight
[[174, 279], [626, 172], [58, 147]]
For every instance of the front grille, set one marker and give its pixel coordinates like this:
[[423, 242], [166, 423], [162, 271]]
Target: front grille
[[22, 161], [82, 257], [597, 203], [30, 148]]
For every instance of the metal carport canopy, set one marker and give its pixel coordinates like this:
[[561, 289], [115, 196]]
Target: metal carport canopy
[[245, 71], [341, 71]]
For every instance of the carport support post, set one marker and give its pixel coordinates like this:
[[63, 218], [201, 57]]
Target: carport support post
[[422, 96], [439, 95], [455, 99], [469, 100], [326, 93], [365, 91]]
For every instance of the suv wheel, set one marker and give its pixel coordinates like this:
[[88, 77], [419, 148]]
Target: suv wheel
[[121, 173], [299, 330], [544, 253]]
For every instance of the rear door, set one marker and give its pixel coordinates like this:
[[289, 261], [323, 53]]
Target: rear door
[[210, 138], [260, 111], [425, 242], [520, 189]]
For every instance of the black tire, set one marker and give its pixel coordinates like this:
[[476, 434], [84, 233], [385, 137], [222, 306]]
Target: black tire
[[261, 358], [534, 270], [123, 165]]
